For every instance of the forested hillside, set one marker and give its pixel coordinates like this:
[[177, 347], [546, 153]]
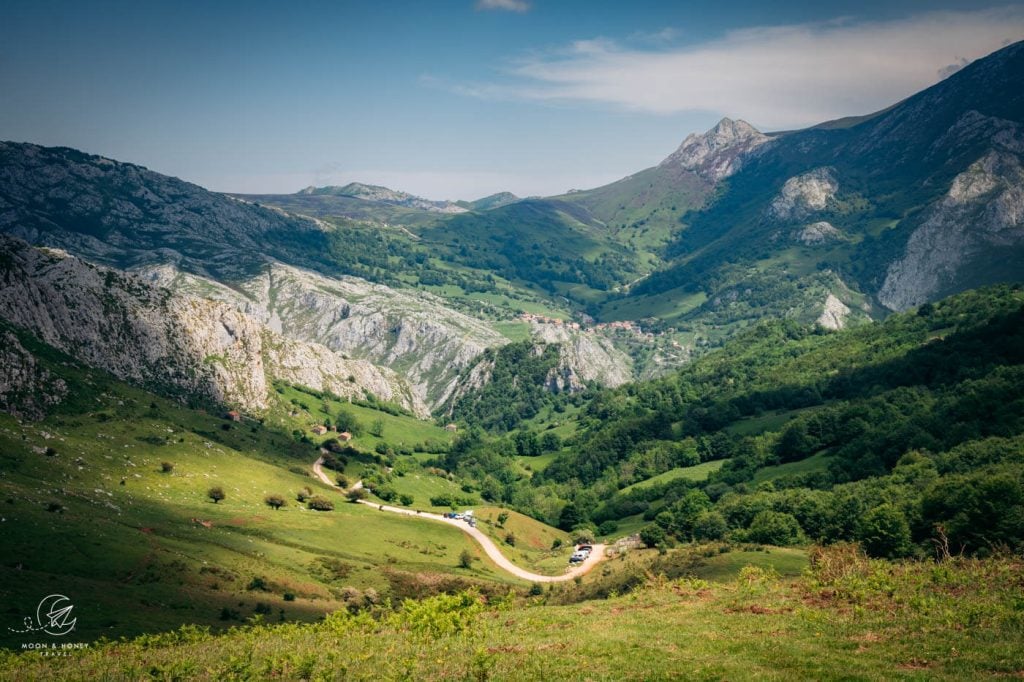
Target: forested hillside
[[915, 425]]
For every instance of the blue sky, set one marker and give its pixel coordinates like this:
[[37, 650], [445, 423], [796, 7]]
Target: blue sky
[[455, 99]]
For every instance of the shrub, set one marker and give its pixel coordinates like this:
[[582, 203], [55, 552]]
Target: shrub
[[406, 500], [289, 596], [709, 525], [608, 527], [355, 494], [342, 481], [536, 590], [386, 493], [510, 539], [466, 559], [652, 536], [216, 494], [166, 467], [502, 518], [257, 583], [304, 494], [556, 543], [320, 504], [275, 501], [774, 528]]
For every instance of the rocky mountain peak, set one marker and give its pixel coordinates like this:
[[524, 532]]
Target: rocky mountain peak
[[720, 152]]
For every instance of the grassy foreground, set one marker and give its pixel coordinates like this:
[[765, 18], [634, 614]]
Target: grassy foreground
[[847, 618]]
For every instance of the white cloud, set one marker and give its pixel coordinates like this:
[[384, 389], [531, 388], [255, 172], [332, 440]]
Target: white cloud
[[506, 5], [775, 77]]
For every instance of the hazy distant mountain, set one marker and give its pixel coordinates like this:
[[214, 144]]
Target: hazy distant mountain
[[383, 195]]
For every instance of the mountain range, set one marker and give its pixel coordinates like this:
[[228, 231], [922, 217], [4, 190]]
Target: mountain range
[[835, 224]]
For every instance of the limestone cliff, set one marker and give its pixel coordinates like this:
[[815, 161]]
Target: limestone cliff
[[170, 342]]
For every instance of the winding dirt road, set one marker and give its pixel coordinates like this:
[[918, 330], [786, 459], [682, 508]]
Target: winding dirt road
[[485, 542]]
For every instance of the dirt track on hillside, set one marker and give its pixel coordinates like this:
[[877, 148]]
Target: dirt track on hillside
[[485, 542]]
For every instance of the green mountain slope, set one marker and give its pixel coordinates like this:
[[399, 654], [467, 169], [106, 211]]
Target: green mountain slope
[[107, 497]]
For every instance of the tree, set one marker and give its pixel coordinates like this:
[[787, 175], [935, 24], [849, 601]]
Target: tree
[[510, 539], [709, 525], [652, 536], [570, 517], [274, 501], [216, 494], [550, 442], [502, 518], [884, 532], [346, 421], [356, 494], [774, 528], [377, 428], [466, 559], [608, 527]]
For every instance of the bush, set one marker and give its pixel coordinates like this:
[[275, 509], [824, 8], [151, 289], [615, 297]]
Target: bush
[[274, 501], [442, 501], [884, 532], [216, 494], [289, 596], [510, 539], [536, 590], [355, 495], [257, 583], [386, 493], [709, 525], [652, 536], [608, 527], [320, 504], [466, 559], [166, 467], [774, 528], [406, 500]]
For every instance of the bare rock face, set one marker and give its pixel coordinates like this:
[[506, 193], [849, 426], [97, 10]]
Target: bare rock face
[[982, 213], [803, 195], [816, 234], [834, 314], [720, 152], [26, 389], [413, 333], [585, 358], [171, 343]]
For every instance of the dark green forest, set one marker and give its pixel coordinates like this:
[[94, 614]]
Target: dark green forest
[[905, 434]]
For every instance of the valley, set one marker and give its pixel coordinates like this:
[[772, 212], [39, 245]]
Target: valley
[[775, 383]]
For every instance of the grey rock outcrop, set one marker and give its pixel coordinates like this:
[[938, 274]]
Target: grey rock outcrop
[[172, 343], [411, 332], [27, 390], [834, 313], [982, 212], [720, 152], [584, 358], [816, 234], [803, 195]]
